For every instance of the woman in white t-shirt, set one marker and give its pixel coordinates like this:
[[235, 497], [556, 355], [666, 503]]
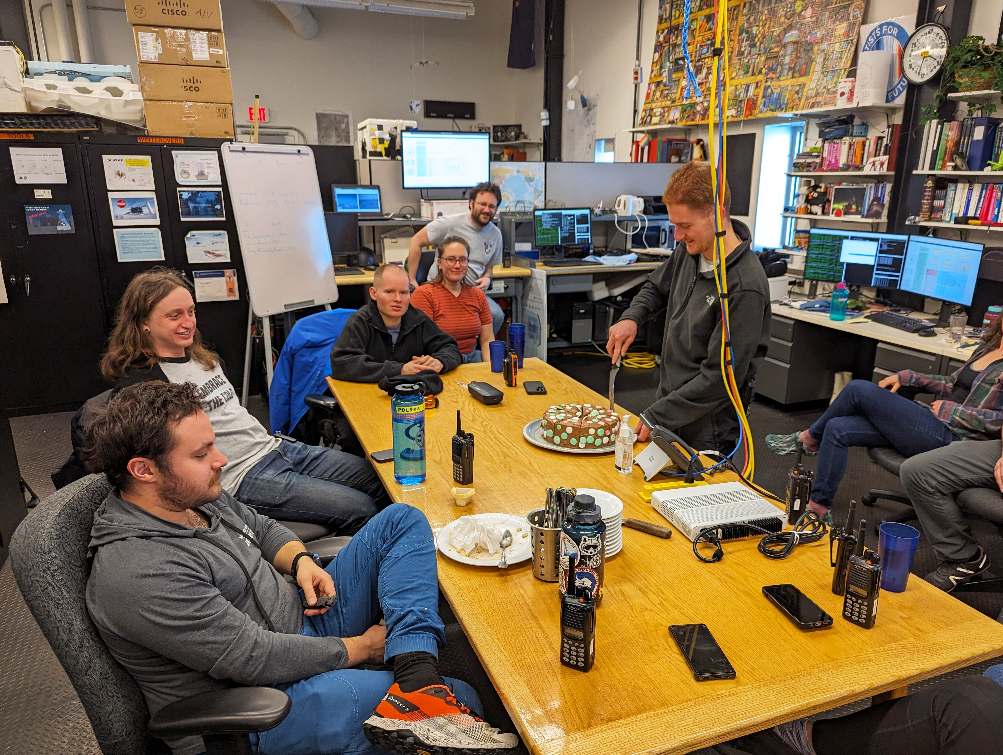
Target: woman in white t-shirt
[[155, 338]]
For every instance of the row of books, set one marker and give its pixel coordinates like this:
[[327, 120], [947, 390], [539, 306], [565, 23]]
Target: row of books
[[969, 144], [663, 149], [852, 152], [963, 201]]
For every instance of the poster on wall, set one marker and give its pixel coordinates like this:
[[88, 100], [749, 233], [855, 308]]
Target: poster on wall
[[880, 78], [38, 165], [139, 245], [133, 208], [128, 172], [207, 246], [201, 204], [215, 285], [49, 219], [196, 167]]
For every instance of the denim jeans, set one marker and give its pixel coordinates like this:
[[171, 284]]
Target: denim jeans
[[387, 569], [473, 356], [864, 414], [497, 315], [303, 483], [995, 673]]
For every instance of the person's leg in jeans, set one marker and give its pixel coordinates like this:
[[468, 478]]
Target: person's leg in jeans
[[995, 673], [933, 478], [497, 315], [299, 482], [387, 569], [962, 716], [473, 356]]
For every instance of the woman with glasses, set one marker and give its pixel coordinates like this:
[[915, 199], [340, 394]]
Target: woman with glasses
[[459, 309]]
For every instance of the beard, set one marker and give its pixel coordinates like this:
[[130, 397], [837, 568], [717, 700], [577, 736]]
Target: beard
[[177, 494]]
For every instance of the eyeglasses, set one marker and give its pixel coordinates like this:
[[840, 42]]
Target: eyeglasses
[[454, 260], [486, 205]]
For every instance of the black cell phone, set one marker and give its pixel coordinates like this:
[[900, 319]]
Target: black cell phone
[[380, 457], [534, 387], [705, 658], [323, 601], [798, 607]]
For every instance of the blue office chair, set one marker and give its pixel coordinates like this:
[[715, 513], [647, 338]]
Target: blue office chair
[[303, 365]]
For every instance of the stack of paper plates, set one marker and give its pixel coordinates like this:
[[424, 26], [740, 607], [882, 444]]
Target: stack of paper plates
[[612, 516]]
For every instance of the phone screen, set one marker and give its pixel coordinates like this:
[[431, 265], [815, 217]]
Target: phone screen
[[701, 651], [796, 604]]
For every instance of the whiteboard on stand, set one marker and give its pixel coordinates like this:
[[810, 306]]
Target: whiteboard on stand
[[276, 204]]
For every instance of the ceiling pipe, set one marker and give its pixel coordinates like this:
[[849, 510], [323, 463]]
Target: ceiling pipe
[[302, 21], [82, 21], [61, 19]]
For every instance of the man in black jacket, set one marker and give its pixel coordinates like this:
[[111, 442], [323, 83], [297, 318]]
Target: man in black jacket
[[691, 399], [388, 338]]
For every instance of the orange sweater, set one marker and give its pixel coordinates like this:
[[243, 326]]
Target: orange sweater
[[460, 316]]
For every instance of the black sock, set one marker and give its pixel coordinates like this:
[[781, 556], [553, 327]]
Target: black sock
[[412, 671]]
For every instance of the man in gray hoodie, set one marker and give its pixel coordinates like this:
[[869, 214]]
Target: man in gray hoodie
[[691, 399], [188, 589]]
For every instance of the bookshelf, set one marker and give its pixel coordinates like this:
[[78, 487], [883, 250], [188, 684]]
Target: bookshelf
[[652, 129], [980, 95], [963, 227], [836, 218], [847, 110], [876, 175], [989, 174]]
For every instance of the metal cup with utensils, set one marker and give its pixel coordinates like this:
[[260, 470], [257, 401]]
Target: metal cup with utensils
[[546, 546]]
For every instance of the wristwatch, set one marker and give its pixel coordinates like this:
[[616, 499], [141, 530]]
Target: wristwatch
[[309, 554]]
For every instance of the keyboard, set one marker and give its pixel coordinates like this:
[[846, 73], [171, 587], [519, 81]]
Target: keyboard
[[894, 320], [563, 262]]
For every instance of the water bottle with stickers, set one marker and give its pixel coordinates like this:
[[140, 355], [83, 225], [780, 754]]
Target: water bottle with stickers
[[407, 408]]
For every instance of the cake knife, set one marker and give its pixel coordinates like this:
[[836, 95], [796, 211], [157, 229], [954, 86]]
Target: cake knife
[[612, 380]]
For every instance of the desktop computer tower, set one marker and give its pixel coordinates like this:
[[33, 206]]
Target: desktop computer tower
[[581, 322]]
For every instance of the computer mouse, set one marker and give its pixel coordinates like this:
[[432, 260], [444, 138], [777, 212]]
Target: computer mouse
[[928, 333]]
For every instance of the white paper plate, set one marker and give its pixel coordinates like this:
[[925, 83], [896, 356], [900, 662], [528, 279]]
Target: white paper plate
[[534, 434], [609, 504], [520, 550]]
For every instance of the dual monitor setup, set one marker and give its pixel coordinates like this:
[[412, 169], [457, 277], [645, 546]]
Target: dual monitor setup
[[937, 268]]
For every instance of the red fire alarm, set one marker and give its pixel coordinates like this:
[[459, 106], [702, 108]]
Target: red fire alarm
[[262, 114]]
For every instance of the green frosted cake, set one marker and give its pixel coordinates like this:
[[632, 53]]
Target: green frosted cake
[[580, 426]]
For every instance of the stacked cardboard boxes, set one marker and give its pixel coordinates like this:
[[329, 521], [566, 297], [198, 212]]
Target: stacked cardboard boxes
[[183, 70]]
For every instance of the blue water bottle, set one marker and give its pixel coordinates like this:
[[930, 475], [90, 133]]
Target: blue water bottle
[[837, 305], [408, 410], [583, 538]]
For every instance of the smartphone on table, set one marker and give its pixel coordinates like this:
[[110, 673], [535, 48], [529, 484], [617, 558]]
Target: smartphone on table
[[381, 457], [702, 653], [797, 607]]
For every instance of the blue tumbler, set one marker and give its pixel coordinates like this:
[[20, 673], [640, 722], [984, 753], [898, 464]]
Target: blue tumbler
[[497, 355], [896, 546], [517, 339]]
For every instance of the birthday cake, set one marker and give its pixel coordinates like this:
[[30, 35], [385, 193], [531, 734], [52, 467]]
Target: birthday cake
[[580, 426]]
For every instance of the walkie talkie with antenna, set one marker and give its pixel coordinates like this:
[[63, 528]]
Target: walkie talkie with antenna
[[863, 583], [846, 541], [463, 454]]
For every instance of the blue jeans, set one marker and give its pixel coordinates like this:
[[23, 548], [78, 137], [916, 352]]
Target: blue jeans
[[995, 673], [298, 482], [497, 315], [473, 356], [864, 414], [388, 568]]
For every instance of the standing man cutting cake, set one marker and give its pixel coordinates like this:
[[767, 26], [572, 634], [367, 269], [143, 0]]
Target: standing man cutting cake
[[691, 399]]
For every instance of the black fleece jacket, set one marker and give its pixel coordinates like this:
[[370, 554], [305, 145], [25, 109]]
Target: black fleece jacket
[[365, 353]]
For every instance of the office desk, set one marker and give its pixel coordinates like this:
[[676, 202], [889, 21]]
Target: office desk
[[517, 276], [640, 696]]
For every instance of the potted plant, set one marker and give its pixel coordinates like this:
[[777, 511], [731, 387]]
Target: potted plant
[[970, 66]]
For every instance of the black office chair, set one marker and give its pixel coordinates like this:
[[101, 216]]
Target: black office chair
[[986, 504], [890, 460], [424, 265], [50, 563]]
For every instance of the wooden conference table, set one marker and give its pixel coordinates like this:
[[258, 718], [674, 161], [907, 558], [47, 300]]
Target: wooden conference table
[[640, 695]]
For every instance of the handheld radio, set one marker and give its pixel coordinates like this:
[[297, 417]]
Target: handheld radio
[[463, 455], [510, 368], [846, 541], [863, 582], [578, 626], [799, 483]]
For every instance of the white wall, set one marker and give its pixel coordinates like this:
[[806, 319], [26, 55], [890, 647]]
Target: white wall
[[360, 62]]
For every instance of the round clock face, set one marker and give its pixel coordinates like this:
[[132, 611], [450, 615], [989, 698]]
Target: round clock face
[[924, 53]]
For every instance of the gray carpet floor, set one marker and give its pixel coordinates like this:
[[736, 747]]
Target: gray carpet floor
[[39, 711]]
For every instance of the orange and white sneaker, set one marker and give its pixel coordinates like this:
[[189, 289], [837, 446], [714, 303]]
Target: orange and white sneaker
[[431, 720]]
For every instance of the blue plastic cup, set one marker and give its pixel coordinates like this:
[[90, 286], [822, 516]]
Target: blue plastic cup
[[517, 339], [497, 355], [896, 546]]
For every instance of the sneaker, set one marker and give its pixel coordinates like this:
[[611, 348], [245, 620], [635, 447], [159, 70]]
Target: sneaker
[[431, 720], [952, 574], [785, 445], [795, 735]]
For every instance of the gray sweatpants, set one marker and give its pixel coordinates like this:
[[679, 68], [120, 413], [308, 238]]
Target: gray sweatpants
[[933, 478]]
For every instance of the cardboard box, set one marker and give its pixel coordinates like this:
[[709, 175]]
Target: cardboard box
[[187, 14], [206, 119], [180, 47], [185, 83]]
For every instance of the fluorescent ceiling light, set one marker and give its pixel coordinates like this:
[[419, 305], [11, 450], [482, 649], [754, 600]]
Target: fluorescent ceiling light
[[454, 9]]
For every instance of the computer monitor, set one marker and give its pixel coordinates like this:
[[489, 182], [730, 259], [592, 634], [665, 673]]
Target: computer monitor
[[362, 200], [859, 258], [942, 269], [562, 227], [445, 159]]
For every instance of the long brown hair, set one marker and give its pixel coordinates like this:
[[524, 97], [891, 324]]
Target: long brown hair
[[448, 241], [129, 345]]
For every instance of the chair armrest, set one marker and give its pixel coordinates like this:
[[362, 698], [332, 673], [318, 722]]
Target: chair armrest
[[321, 401], [239, 709], [327, 547]]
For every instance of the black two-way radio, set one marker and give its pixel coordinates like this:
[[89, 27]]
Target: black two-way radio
[[578, 627], [463, 454], [799, 484], [863, 583], [845, 540]]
